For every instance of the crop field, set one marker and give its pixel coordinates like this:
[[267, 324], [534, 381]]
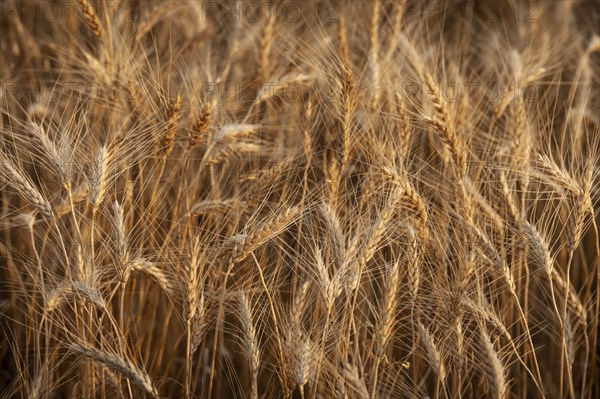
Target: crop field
[[314, 199]]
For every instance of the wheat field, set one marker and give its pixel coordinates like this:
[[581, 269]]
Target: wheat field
[[299, 199]]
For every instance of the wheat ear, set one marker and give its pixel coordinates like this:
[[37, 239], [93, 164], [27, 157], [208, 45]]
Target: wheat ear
[[57, 157], [194, 298], [172, 114], [494, 369], [386, 319], [374, 236], [244, 244], [25, 187], [151, 270], [446, 129], [374, 62], [201, 126], [91, 18], [434, 356], [99, 177], [250, 342], [124, 366]]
